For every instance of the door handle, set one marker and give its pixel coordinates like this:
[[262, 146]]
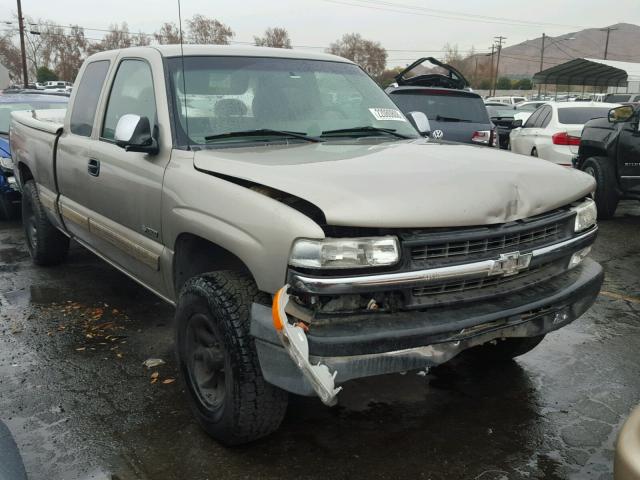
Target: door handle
[[93, 167]]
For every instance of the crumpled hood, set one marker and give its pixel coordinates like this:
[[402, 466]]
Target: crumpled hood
[[405, 184]]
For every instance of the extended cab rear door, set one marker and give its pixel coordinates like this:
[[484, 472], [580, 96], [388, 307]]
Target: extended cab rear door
[[73, 152], [126, 195]]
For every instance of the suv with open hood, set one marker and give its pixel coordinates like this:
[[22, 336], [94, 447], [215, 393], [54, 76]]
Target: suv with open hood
[[441, 92]]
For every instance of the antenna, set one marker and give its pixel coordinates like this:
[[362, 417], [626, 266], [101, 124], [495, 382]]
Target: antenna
[[184, 79]]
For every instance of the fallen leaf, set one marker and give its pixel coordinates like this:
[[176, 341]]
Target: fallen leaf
[[154, 375], [80, 349], [119, 355], [167, 381], [154, 380]]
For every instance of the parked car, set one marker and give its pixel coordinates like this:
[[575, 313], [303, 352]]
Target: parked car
[[626, 465], [507, 100], [9, 195], [305, 239], [524, 110], [553, 131], [502, 116], [610, 152], [439, 91], [622, 97]]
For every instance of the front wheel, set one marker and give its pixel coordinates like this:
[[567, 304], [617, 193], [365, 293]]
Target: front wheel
[[47, 245], [218, 360], [506, 348], [607, 197]]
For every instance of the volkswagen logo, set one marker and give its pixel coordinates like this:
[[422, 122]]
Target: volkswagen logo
[[437, 134]]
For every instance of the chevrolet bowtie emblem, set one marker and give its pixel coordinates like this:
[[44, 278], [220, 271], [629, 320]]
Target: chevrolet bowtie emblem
[[510, 263]]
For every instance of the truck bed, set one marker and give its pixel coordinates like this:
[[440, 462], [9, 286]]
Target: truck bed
[[34, 136]]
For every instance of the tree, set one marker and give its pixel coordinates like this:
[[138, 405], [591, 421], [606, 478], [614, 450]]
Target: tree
[[525, 84], [387, 77], [504, 83], [66, 51], [371, 56], [44, 74], [10, 57], [168, 34], [274, 37], [203, 30], [484, 84], [118, 37]]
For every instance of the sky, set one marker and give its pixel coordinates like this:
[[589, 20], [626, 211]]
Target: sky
[[406, 28]]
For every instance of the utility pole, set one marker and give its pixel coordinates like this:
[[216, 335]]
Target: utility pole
[[493, 47], [541, 61], [475, 72], [23, 51], [606, 45], [499, 39]]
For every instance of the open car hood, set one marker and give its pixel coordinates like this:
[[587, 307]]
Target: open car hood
[[431, 73], [404, 184]]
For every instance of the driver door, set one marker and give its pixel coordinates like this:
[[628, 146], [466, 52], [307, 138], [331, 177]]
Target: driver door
[[126, 188], [629, 154]]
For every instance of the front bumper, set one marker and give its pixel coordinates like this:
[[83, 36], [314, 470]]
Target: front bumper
[[366, 345]]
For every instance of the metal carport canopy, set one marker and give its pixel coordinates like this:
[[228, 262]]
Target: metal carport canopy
[[590, 71]]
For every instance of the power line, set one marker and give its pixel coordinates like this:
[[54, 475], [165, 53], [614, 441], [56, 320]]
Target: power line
[[423, 11]]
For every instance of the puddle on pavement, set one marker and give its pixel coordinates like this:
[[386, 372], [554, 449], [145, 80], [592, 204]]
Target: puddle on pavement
[[35, 295]]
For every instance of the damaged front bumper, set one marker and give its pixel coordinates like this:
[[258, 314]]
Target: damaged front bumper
[[376, 344]]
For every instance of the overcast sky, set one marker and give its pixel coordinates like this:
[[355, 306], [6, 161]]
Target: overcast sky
[[405, 32]]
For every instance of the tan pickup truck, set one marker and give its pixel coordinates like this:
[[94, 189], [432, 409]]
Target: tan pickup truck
[[305, 230]]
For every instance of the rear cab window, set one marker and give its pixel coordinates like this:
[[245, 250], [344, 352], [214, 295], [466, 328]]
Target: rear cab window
[[87, 97], [580, 116], [443, 106]]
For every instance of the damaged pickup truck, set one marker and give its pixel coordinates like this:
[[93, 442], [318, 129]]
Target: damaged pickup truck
[[305, 231]]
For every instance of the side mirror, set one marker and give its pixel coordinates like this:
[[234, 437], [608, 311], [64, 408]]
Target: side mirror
[[420, 122], [620, 114], [133, 133], [516, 123]]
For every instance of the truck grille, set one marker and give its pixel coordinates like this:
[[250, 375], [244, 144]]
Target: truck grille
[[488, 244]]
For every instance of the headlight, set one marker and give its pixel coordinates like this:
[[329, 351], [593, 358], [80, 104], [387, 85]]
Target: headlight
[[586, 215], [6, 163], [344, 252]]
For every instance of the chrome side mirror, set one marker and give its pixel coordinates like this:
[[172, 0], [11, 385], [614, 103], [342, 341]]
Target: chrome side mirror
[[133, 133], [420, 122]]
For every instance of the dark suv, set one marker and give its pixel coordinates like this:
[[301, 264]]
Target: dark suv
[[441, 93], [610, 152]]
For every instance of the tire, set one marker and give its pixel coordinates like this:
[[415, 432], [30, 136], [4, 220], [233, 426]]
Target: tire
[[607, 197], [47, 245], [506, 349], [218, 362], [534, 152]]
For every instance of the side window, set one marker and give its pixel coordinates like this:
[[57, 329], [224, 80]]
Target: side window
[[131, 92], [87, 96], [531, 121], [544, 118]]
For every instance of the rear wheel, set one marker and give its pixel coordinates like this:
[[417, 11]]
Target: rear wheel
[[218, 360], [534, 152], [607, 197], [506, 348], [47, 245]]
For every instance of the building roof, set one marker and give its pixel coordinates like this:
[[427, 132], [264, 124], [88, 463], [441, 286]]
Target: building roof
[[590, 71]]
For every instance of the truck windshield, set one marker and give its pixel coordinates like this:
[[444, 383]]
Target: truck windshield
[[221, 95]]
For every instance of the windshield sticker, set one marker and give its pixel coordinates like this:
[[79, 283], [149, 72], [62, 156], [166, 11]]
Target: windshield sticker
[[387, 114]]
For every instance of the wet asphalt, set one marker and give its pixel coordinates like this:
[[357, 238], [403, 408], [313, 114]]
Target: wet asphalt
[[81, 405]]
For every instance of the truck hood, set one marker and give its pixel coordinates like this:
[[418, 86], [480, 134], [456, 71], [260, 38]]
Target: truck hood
[[405, 184]]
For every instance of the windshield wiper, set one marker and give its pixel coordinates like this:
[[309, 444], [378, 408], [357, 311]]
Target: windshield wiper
[[450, 119], [366, 129], [262, 132]]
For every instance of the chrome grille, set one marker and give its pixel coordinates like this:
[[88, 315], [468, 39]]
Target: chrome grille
[[473, 284], [488, 244]]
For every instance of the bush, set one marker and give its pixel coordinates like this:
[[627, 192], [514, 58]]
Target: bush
[[43, 74]]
